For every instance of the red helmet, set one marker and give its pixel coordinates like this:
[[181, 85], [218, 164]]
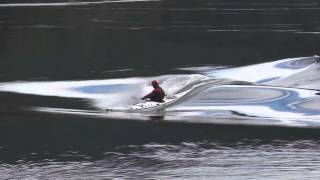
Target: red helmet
[[155, 83]]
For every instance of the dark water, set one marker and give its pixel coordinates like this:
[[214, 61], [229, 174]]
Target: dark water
[[252, 111]]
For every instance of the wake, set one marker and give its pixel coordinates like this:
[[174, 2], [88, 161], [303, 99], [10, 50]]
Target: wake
[[279, 93]]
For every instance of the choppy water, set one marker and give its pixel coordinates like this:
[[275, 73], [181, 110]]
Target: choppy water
[[251, 66], [202, 160]]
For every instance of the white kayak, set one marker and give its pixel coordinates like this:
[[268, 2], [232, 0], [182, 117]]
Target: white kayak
[[144, 106]]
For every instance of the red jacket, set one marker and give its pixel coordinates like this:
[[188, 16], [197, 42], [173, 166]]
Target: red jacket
[[156, 95]]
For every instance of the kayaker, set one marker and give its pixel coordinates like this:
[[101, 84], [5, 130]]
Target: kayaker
[[157, 94]]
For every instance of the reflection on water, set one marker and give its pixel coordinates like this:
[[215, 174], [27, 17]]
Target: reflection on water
[[206, 159], [284, 105]]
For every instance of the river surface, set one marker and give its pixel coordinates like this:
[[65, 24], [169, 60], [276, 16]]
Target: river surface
[[250, 68]]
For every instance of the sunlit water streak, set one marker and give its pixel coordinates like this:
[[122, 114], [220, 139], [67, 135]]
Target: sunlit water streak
[[69, 3], [248, 158], [229, 10]]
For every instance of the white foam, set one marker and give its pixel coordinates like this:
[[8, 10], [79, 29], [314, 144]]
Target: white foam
[[63, 88], [264, 72], [122, 95], [174, 84]]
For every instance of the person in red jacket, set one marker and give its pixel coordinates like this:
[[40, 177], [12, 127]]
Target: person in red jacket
[[157, 94]]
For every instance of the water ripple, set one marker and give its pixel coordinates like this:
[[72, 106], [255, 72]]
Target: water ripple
[[246, 159], [70, 3]]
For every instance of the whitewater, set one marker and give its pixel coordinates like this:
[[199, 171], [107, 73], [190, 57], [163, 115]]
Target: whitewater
[[279, 93]]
